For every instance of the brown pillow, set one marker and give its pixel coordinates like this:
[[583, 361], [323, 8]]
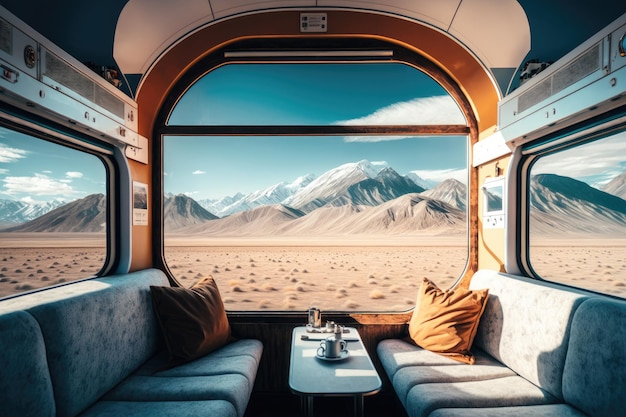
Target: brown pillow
[[445, 322], [193, 320]]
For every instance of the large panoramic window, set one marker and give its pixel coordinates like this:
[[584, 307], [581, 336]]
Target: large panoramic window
[[347, 222], [52, 213], [577, 231]]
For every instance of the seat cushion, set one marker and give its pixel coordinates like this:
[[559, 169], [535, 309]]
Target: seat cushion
[[396, 354], [225, 374], [550, 410], [509, 391], [210, 408], [240, 357], [485, 367], [594, 378], [233, 388]]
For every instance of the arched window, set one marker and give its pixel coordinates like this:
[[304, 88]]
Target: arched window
[[315, 178]]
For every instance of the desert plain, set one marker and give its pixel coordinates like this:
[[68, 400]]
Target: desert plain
[[376, 274]]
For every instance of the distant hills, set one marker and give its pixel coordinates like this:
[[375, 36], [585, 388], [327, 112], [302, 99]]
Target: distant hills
[[564, 205], [355, 198], [85, 215]]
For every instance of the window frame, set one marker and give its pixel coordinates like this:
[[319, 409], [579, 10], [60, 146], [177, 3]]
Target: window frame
[[229, 54], [41, 128], [579, 133]]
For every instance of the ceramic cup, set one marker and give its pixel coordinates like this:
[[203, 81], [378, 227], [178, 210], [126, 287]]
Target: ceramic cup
[[332, 348]]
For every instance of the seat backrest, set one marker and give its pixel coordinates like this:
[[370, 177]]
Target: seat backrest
[[25, 384], [96, 333], [594, 378], [526, 326]]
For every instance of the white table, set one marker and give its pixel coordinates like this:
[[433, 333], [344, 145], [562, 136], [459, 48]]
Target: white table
[[312, 377]]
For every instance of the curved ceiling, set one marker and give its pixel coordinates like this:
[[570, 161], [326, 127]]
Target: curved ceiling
[[87, 30], [147, 28]]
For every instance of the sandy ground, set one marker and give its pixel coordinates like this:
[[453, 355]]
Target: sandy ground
[[349, 277], [330, 278]]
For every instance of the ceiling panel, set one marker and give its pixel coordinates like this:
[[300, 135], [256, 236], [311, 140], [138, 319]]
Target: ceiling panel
[[437, 13], [225, 8], [146, 28], [496, 31]]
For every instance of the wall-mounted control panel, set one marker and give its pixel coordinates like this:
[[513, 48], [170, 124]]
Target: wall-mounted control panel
[[494, 212]]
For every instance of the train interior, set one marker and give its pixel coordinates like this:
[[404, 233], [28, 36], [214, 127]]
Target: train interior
[[307, 162]]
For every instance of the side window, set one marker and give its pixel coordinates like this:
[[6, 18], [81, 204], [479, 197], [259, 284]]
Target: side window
[[577, 227], [53, 213]]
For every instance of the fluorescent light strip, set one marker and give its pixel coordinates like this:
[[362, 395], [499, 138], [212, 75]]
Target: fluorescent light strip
[[290, 54]]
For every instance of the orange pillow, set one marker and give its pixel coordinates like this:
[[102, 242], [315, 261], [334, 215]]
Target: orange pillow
[[445, 322], [193, 320]]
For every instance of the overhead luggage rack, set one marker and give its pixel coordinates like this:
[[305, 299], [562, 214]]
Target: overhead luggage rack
[[38, 76], [589, 80]]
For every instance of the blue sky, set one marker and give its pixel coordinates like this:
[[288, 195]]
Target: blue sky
[[36, 171], [307, 94], [595, 163]]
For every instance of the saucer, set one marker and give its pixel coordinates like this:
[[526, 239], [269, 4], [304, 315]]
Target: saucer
[[343, 355], [311, 329]]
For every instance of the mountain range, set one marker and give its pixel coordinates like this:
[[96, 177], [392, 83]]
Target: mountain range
[[85, 215], [355, 198], [13, 212], [563, 204]]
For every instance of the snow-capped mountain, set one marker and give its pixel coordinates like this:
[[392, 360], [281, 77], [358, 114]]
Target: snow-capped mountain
[[387, 185], [215, 206], [84, 215], [276, 194], [332, 184], [450, 191], [357, 183], [409, 213], [425, 184], [13, 212]]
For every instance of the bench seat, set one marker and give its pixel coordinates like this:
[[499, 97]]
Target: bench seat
[[541, 350], [95, 348]]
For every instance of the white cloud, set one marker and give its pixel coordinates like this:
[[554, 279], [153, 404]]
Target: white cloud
[[424, 110], [436, 176], [199, 172], [8, 155], [4, 171], [437, 110], [595, 158], [73, 174], [36, 185]]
